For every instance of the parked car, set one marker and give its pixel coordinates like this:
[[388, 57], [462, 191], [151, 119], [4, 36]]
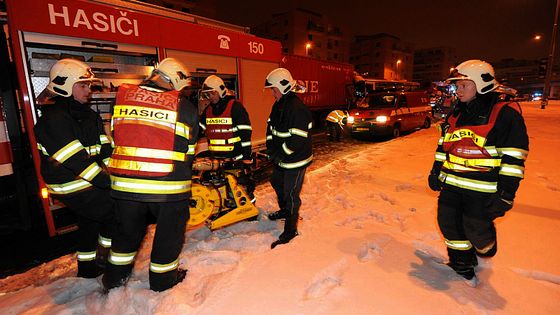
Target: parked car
[[390, 113]]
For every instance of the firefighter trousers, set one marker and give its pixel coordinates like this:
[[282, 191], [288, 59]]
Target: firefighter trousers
[[334, 130], [95, 212], [467, 226], [132, 220], [287, 184]]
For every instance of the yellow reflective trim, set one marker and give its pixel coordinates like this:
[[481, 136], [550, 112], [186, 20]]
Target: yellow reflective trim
[[512, 170], [183, 130], [440, 141], [192, 149], [161, 268], [68, 151], [460, 134], [121, 259], [69, 187], [144, 113], [106, 161], [310, 125], [234, 140], [246, 144], [42, 149], [458, 245], [150, 153], [514, 152], [90, 172], [104, 139], [103, 241], [86, 256], [440, 156], [244, 127], [280, 134], [220, 148], [296, 164], [219, 121], [299, 132], [474, 162], [140, 166], [286, 149], [458, 167], [148, 186], [470, 184], [217, 141]]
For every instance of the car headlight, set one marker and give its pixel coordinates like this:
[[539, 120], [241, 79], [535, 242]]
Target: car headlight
[[381, 119], [350, 119]]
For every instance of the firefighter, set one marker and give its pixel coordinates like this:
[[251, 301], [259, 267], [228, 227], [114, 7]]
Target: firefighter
[[74, 150], [335, 124], [288, 144], [228, 128], [155, 128], [478, 165]]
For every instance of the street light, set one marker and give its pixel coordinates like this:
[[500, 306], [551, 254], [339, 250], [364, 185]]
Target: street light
[[307, 47], [398, 62], [550, 63]]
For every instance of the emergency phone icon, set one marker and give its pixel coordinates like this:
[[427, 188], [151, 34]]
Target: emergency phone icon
[[224, 41]]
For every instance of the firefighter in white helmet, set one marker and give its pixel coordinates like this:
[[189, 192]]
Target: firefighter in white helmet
[[155, 128], [74, 150], [228, 128], [479, 163], [288, 144]]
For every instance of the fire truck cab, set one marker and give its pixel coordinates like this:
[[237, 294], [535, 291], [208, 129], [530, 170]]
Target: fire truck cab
[[121, 41]]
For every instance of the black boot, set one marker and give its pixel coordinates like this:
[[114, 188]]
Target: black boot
[[88, 269], [290, 230], [163, 281], [280, 214], [116, 276], [284, 238], [464, 271], [101, 256]]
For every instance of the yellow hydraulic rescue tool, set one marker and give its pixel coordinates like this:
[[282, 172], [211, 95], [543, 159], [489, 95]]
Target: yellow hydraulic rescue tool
[[217, 199]]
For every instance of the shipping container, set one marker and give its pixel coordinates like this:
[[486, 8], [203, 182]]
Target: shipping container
[[328, 84]]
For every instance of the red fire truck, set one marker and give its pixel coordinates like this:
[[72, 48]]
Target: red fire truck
[[121, 41]]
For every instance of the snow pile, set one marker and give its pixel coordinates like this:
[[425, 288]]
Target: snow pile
[[369, 243]]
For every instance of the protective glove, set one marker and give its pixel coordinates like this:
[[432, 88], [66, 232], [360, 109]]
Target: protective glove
[[499, 203], [434, 182]]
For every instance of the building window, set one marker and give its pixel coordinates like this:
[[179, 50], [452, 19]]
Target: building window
[[378, 44], [336, 43], [285, 36], [377, 54], [335, 56], [309, 36], [285, 50]]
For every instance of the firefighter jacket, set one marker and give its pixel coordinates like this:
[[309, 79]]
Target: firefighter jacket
[[288, 133], [154, 135], [337, 117], [483, 147], [228, 129], [73, 147]]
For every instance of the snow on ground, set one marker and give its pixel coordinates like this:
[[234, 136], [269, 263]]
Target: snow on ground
[[369, 244]]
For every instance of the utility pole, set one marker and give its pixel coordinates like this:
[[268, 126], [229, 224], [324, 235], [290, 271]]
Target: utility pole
[[550, 62]]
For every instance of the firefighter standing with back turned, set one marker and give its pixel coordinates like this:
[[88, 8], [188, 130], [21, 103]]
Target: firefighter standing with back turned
[[74, 150], [335, 124], [228, 128], [479, 163], [288, 144], [155, 130]]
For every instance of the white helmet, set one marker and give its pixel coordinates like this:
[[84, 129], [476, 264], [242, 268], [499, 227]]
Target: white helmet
[[478, 71], [280, 78], [173, 72], [64, 73], [214, 83]]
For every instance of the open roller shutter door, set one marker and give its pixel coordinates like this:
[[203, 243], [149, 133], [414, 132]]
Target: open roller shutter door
[[256, 99]]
